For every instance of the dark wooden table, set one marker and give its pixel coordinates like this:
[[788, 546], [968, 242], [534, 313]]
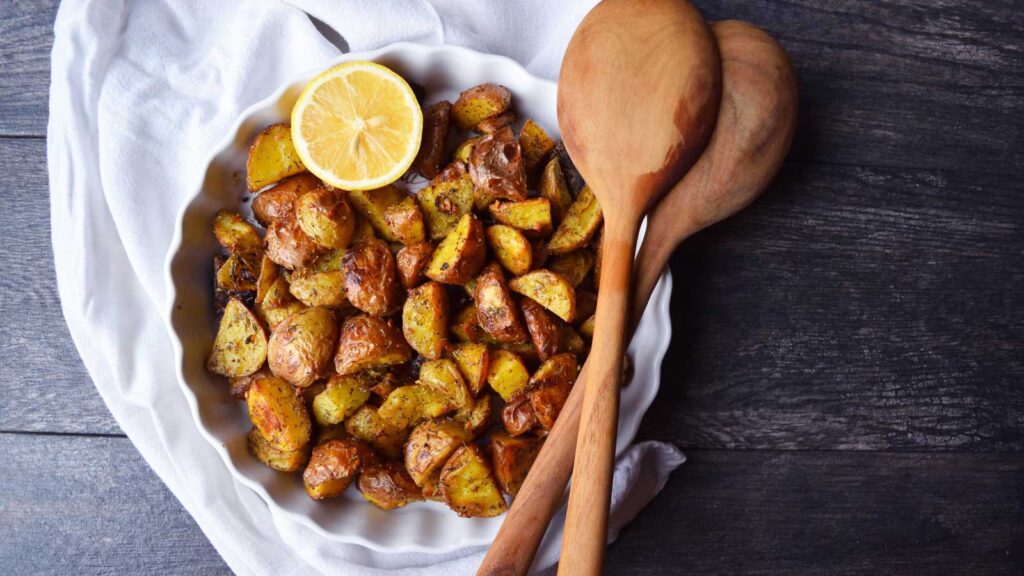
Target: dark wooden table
[[847, 369]]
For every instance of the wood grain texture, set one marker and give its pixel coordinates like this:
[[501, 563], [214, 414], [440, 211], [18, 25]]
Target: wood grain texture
[[74, 505], [838, 513], [26, 36]]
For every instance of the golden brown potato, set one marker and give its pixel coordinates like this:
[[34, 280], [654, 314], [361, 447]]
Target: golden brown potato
[[275, 458], [468, 486], [371, 280], [545, 331], [288, 245], [314, 288], [405, 222], [240, 347], [480, 103], [477, 417], [342, 397], [235, 277], [495, 123], [443, 377], [532, 217], [301, 346], [272, 157], [279, 413], [495, 310], [429, 446], [425, 319], [510, 248], [460, 255], [371, 205], [411, 261], [364, 230], [549, 387], [409, 405], [578, 227], [549, 290], [474, 361], [553, 188], [279, 202], [496, 167], [507, 374], [330, 261], [267, 276], [333, 467], [326, 217], [572, 176], [464, 149], [518, 416], [465, 326], [436, 119], [239, 385], [512, 458], [573, 266], [367, 342], [367, 425], [384, 383], [536, 145], [235, 234], [587, 327], [447, 198], [277, 303], [388, 486]]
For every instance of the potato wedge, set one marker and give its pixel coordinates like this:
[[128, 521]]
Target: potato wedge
[[371, 204], [272, 157], [573, 178], [367, 342], [267, 276], [277, 303], [314, 288], [578, 227], [405, 221], [535, 144], [553, 188], [477, 417], [326, 217], [447, 198], [460, 255], [239, 386], [495, 123], [371, 279], [275, 458], [573, 266], [464, 149], [549, 387], [235, 277], [240, 347], [436, 120], [512, 457], [279, 202], [409, 405], [586, 329], [443, 377], [507, 375], [333, 467], [474, 362], [480, 103], [287, 245], [301, 346], [549, 290], [532, 217], [367, 425], [495, 311], [235, 234], [411, 261], [544, 329], [497, 169], [518, 416], [279, 414], [468, 487], [388, 486], [342, 397], [465, 327], [429, 446], [510, 248], [425, 319]]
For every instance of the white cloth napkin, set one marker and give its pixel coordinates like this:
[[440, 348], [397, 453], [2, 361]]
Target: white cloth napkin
[[140, 92]]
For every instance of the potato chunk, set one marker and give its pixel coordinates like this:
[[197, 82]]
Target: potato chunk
[[429, 446], [274, 458], [573, 266], [436, 120], [301, 346], [460, 255], [447, 198], [497, 314], [342, 397], [240, 347], [272, 157], [314, 288], [549, 387], [278, 202], [279, 414], [549, 290], [367, 425], [465, 326], [367, 342], [333, 467], [388, 486], [480, 103], [553, 188], [288, 245], [536, 145], [468, 487], [464, 149], [410, 405], [474, 361], [371, 205], [532, 217], [235, 234], [508, 375], [371, 279], [477, 417], [425, 319], [512, 458], [496, 167], [510, 248], [573, 179], [236, 277], [411, 261], [544, 330], [326, 217], [578, 227], [405, 222], [518, 416], [443, 377], [495, 123]]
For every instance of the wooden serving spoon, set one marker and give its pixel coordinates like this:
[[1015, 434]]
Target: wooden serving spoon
[[638, 94], [756, 122]]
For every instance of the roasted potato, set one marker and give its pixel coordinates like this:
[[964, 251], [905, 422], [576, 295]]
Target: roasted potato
[[480, 103], [496, 167], [587, 327], [573, 178], [314, 288], [275, 458], [553, 188], [326, 217], [272, 157], [571, 341], [279, 202], [388, 486], [405, 222], [549, 387], [240, 347], [235, 277], [468, 486], [447, 198], [495, 310], [411, 261], [443, 377], [460, 255], [429, 446], [507, 375], [367, 425], [518, 416], [239, 385], [465, 326], [287, 245], [371, 205], [333, 467], [371, 279], [277, 303], [342, 397], [436, 119], [573, 266], [512, 457], [384, 383], [235, 234], [579, 225], [425, 319], [510, 248], [549, 290], [301, 346], [279, 414], [540, 253], [535, 144], [464, 149], [474, 361], [267, 276], [532, 217], [495, 123], [545, 331], [477, 417], [367, 342], [409, 405]]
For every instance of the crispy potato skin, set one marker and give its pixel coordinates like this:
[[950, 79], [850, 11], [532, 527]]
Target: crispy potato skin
[[495, 310], [474, 361], [532, 217], [411, 261], [301, 346], [549, 290], [511, 248], [480, 103], [279, 202], [549, 387], [287, 245], [367, 342], [371, 280], [429, 446], [436, 120], [446, 199], [333, 467], [518, 416], [239, 386], [544, 330], [240, 347], [235, 234], [581, 222], [495, 123], [388, 486], [272, 157], [274, 458], [468, 487], [512, 457], [326, 217], [405, 221], [279, 414], [460, 255], [497, 169], [425, 319]]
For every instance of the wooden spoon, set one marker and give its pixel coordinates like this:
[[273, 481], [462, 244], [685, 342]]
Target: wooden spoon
[[756, 122], [638, 95]]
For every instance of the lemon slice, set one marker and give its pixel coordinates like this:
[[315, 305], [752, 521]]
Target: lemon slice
[[357, 126]]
